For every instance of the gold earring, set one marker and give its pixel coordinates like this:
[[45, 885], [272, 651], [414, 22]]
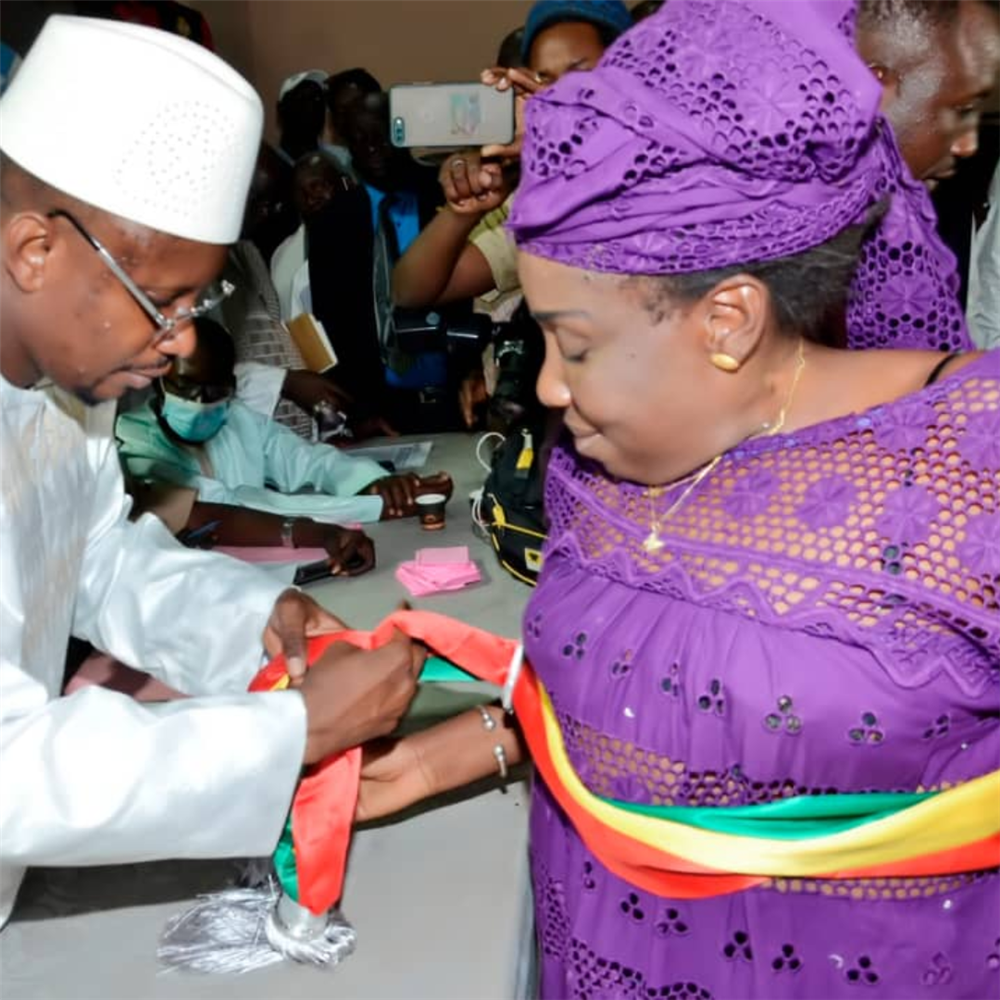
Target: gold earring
[[725, 362]]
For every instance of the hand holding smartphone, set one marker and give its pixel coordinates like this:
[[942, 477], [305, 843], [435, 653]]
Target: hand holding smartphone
[[450, 115], [316, 572]]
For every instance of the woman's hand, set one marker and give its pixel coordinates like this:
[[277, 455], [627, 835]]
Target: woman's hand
[[399, 493], [452, 754], [392, 778], [351, 552]]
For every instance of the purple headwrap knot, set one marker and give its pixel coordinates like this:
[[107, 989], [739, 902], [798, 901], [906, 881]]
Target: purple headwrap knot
[[710, 134]]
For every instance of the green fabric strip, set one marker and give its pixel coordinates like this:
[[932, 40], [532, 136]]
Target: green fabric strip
[[284, 862], [437, 669], [797, 818]]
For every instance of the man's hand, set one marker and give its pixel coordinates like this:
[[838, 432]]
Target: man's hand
[[472, 395], [368, 427], [399, 493], [355, 695], [294, 619], [470, 186], [306, 389], [524, 84], [351, 552]]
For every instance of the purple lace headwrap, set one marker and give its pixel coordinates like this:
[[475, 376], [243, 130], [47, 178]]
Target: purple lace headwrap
[[710, 134]]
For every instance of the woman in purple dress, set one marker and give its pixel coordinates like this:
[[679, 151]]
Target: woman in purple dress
[[772, 567]]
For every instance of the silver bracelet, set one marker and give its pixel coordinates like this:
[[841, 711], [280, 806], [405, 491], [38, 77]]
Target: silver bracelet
[[499, 754]]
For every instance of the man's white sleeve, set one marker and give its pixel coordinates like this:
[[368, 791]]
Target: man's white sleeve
[[984, 275], [259, 386], [96, 777]]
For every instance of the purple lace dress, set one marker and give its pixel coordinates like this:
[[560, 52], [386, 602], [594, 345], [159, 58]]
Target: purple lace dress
[[905, 291], [822, 618]]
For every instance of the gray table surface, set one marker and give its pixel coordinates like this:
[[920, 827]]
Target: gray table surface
[[439, 897]]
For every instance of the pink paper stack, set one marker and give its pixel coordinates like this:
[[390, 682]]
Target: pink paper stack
[[436, 570]]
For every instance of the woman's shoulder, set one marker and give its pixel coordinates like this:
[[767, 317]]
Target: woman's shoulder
[[859, 384]]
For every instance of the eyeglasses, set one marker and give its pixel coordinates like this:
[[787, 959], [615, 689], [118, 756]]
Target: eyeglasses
[[205, 392], [166, 325]]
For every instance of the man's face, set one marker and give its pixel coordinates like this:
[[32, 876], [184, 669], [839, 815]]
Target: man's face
[[938, 79], [204, 375], [73, 320], [374, 156], [316, 183]]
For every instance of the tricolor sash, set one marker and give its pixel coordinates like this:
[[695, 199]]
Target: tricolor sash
[[674, 851]]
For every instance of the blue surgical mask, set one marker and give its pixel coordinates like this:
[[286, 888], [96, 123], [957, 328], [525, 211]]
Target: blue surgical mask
[[192, 420]]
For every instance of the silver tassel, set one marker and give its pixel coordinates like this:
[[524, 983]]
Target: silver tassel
[[242, 930]]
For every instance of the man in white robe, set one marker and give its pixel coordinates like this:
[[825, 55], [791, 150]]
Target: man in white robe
[[110, 225]]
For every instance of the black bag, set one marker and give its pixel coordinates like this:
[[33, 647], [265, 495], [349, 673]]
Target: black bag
[[512, 510]]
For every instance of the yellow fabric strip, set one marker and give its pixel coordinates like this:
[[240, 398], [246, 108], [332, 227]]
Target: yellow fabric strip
[[965, 814]]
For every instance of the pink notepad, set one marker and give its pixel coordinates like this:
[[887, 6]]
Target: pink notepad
[[448, 556], [436, 570]]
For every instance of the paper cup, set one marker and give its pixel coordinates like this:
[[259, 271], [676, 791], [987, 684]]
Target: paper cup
[[430, 510]]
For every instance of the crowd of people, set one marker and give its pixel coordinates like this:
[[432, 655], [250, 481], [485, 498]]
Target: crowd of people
[[773, 543]]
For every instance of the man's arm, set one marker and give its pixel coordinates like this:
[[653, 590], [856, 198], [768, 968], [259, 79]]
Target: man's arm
[[441, 265], [292, 463], [193, 619], [98, 778]]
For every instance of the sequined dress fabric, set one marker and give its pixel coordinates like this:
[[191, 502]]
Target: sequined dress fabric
[[822, 618]]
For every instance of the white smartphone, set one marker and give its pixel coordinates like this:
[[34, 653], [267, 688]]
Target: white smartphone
[[450, 114]]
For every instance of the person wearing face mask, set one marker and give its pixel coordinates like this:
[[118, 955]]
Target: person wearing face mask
[[194, 435]]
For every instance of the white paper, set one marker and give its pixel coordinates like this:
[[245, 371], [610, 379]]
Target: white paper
[[412, 455]]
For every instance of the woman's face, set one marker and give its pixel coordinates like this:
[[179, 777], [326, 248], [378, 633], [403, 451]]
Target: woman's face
[[632, 376], [563, 48]]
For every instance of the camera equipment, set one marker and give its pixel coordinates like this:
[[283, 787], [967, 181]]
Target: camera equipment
[[518, 349]]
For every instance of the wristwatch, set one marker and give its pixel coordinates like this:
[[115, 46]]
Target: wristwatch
[[288, 532]]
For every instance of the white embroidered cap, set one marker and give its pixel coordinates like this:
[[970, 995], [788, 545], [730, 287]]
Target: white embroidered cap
[[138, 122]]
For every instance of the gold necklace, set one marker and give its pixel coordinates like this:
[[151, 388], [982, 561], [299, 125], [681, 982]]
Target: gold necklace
[[652, 542]]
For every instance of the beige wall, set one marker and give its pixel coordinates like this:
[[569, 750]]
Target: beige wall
[[397, 40]]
